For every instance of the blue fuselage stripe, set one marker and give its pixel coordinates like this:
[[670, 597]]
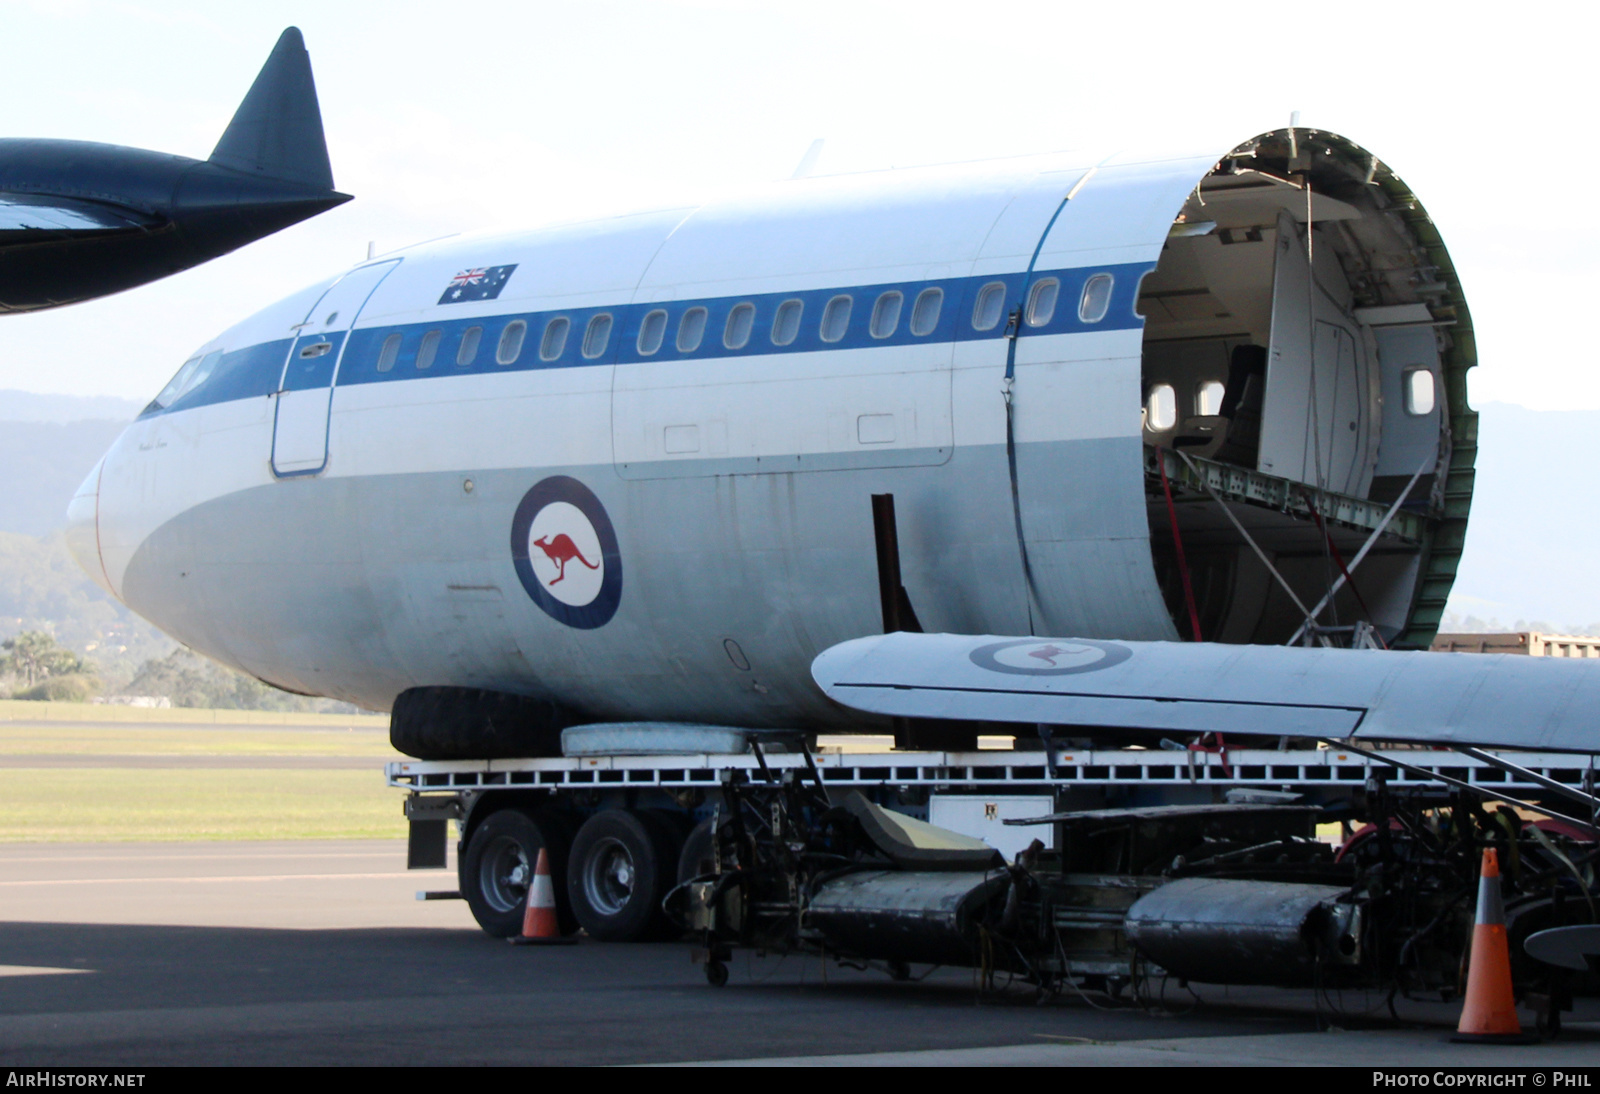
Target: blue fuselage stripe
[[256, 370]]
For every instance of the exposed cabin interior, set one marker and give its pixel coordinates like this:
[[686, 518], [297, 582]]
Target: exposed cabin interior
[[1298, 339]]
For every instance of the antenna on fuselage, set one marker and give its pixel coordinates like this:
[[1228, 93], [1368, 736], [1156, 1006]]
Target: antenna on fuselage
[[808, 162]]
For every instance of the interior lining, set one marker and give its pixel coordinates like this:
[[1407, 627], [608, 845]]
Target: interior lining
[[1309, 312]]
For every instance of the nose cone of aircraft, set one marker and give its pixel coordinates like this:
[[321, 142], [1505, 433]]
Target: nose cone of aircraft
[[83, 529]]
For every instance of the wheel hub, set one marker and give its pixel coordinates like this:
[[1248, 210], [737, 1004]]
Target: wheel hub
[[609, 876]]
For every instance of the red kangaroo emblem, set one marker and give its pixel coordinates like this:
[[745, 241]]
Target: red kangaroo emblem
[[1048, 654], [562, 551]]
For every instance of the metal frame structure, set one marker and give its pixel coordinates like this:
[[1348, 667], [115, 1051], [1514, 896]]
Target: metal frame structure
[[1303, 770]]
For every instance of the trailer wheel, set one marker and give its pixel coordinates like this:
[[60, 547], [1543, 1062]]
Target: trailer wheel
[[616, 876], [498, 867]]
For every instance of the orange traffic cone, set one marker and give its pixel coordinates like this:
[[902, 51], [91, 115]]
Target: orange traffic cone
[[1490, 1015], [540, 926]]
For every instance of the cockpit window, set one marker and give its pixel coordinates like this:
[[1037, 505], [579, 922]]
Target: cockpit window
[[191, 375]]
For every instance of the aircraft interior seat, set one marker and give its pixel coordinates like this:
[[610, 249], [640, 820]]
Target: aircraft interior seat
[[1241, 406], [1201, 434]]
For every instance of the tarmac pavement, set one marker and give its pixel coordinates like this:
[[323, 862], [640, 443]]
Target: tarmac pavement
[[317, 952]]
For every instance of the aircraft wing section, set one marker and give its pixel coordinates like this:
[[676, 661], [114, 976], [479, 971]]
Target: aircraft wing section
[[1494, 700]]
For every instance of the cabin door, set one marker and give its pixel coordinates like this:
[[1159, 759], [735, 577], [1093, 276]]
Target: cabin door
[[305, 395], [1315, 421]]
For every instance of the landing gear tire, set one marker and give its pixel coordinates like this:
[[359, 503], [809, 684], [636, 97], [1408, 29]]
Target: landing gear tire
[[617, 874], [716, 974], [498, 867]]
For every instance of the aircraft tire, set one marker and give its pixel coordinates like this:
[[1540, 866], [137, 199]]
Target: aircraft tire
[[451, 723], [499, 862], [618, 872]]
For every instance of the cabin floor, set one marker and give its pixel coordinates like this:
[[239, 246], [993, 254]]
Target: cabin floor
[[1213, 501]]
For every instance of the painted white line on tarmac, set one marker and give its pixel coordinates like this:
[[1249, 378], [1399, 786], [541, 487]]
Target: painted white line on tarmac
[[228, 878], [232, 856], [35, 970]]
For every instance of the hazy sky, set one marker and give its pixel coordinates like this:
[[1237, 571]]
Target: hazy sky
[[449, 117]]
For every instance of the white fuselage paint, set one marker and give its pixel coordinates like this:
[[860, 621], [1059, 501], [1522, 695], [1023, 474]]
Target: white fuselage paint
[[738, 484]]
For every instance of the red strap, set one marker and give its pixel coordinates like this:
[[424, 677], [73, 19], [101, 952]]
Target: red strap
[[1220, 749]]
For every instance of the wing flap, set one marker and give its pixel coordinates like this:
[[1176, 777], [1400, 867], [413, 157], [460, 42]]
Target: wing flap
[[1496, 700]]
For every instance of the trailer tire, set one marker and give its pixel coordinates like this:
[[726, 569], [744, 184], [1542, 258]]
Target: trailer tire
[[617, 874], [498, 865]]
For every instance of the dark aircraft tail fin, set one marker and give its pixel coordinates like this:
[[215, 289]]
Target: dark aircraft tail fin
[[277, 130]]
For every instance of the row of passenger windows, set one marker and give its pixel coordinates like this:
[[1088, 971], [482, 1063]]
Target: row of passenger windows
[[552, 344], [786, 322], [737, 330], [1161, 402]]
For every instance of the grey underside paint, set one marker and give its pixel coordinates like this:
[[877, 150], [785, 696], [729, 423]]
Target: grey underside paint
[[361, 587]]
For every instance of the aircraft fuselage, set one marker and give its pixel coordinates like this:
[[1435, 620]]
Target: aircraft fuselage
[[627, 464]]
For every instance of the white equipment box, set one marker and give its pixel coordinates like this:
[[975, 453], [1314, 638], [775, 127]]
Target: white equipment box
[[980, 816]]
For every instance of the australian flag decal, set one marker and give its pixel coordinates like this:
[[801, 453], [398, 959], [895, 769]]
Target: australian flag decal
[[480, 283]]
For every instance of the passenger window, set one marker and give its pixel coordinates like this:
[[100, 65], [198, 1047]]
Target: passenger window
[[651, 332], [1419, 393], [469, 346], [925, 312], [596, 335], [1042, 301], [1096, 298], [990, 307], [429, 348], [555, 338], [510, 347], [1208, 398], [740, 321], [1161, 409], [691, 328], [786, 324], [389, 353], [836, 318], [886, 314]]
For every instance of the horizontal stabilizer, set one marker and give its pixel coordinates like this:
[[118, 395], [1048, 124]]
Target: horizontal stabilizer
[[1492, 700], [277, 130]]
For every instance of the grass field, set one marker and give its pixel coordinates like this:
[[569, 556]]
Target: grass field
[[92, 802], [95, 805], [123, 740]]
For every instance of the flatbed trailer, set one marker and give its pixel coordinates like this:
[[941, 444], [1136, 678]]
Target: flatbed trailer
[[973, 792], [1121, 771]]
